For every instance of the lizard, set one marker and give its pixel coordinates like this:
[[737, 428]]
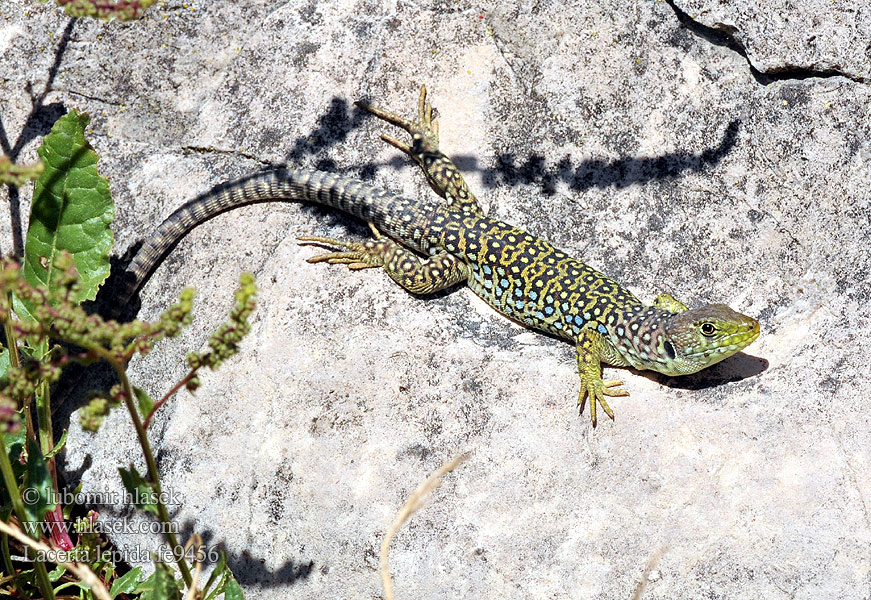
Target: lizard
[[428, 247]]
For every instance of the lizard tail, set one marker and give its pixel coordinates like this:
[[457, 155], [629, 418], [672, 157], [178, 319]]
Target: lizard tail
[[392, 214]]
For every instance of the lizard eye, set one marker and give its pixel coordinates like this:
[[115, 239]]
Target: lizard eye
[[708, 329]]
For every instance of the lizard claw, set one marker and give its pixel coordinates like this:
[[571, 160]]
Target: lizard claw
[[424, 132], [610, 384], [596, 392], [357, 255]]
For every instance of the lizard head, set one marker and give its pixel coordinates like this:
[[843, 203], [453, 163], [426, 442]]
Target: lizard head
[[700, 337]]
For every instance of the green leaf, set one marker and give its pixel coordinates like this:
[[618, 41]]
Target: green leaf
[[37, 491], [160, 586], [14, 445], [4, 366], [144, 400], [72, 210], [126, 583], [68, 509], [227, 584], [56, 573], [142, 495], [84, 588], [24, 311], [59, 446], [233, 591], [217, 572]]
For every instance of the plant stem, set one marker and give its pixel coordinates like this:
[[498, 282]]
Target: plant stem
[[15, 361], [10, 482], [43, 412], [151, 464], [7, 556], [184, 381], [18, 505], [46, 443]]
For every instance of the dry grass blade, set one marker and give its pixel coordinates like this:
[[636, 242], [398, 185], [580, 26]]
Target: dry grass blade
[[411, 506], [197, 542], [651, 564], [81, 571]]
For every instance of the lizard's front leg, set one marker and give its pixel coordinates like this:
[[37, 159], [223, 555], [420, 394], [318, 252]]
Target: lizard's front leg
[[441, 173], [589, 351], [669, 303]]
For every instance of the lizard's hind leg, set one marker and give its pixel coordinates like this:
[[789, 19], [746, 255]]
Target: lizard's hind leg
[[427, 276], [441, 173]]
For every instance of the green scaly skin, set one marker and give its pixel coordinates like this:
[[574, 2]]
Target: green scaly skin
[[521, 276]]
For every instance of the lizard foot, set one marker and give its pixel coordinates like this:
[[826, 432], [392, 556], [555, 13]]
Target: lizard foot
[[424, 132], [669, 303], [441, 173], [596, 391], [357, 255]]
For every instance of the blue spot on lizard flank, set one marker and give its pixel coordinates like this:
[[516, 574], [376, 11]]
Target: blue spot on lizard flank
[[487, 270], [602, 329], [579, 320], [548, 310], [504, 283], [533, 295], [519, 304]]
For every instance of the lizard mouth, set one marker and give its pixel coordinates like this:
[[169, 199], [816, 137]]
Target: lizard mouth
[[732, 343]]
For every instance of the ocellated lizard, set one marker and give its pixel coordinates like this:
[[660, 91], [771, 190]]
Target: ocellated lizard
[[518, 274]]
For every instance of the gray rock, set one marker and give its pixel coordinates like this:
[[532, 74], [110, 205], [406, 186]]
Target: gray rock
[[786, 39], [641, 145]]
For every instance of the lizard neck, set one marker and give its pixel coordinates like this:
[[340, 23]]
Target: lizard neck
[[639, 337]]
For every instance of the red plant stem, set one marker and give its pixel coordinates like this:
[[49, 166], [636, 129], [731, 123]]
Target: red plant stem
[[168, 395]]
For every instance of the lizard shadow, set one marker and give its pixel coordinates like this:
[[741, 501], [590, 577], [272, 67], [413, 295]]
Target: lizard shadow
[[246, 568], [735, 368], [340, 119], [600, 173]]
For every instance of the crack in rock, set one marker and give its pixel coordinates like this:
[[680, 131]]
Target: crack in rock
[[204, 150], [725, 36]]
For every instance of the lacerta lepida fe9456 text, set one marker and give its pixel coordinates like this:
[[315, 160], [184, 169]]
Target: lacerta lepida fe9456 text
[[427, 246]]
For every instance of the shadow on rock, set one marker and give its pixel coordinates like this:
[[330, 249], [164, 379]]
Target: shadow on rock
[[735, 368]]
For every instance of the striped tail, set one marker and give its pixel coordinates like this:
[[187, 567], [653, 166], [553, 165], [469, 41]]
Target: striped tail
[[399, 217]]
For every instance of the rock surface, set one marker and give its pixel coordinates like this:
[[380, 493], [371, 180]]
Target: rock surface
[[622, 131], [787, 39]]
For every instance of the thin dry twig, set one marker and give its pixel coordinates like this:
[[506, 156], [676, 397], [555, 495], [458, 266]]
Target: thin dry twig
[[197, 542], [83, 572], [651, 564], [411, 506]]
